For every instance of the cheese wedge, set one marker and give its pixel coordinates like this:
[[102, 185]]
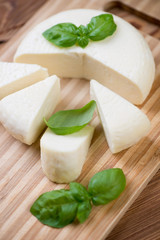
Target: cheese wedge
[[16, 76], [22, 112], [123, 123], [62, 157], [123, 62]]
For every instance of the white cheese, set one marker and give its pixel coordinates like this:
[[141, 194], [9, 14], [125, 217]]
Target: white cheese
[[123, 123], [22, 112], [62, 157], [122, 62], [16, 76]]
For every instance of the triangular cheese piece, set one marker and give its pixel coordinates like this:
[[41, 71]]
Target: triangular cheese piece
[[63, 156], [123, 123], [22, 112], [16, 76]]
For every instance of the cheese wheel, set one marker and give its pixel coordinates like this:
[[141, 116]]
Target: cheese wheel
[[22, 112], [123, 62], [16, 76]]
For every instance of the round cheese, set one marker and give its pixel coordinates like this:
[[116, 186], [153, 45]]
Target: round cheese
[[122, 62]]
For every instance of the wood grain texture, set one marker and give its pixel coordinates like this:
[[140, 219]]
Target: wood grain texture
[[142, 220], [22, 177], [141, 24], [14, 14], [150, 8]]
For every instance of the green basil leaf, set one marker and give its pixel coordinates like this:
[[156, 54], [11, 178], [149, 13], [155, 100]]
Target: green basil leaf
[[56, 209], [101, 27], [82, 41], [106, 186], [62, 34], [79, 192], [84, 209], [83, 198], [68, 34], [82, 30], [70, 121]]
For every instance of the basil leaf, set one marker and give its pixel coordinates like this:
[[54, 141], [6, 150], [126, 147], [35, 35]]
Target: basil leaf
[[79, 192], [84, 209], [83, 41], [56, 209], [82, 38], [70, 121], [106, 186], [82, 196], [62, 34], [101, 27], [82, 30]]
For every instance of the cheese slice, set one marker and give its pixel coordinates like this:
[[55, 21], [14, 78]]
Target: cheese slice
[[22, 112], [123, 123], [62, 157], [16, 76], [123, 62]]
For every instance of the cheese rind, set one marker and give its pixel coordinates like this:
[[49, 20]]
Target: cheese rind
[[123, 62], [123, 123], [62, 157], [22, 112], [16, 76]]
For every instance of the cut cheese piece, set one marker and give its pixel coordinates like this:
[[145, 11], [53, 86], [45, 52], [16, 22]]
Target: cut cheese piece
[[123, 62], [123, 123], [62, 157], [16, 76], [22, 112]]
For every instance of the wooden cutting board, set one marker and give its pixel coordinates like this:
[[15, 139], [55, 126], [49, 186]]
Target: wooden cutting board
[[22, 180]]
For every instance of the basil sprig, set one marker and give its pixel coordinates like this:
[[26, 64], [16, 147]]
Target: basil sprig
[[59, 208], [68, 34], [70, 121]]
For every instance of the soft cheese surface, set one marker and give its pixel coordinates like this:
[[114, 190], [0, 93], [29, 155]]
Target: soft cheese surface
[[62, 157], [16, 76], [22, 112], [122, 62], [123, 123]]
